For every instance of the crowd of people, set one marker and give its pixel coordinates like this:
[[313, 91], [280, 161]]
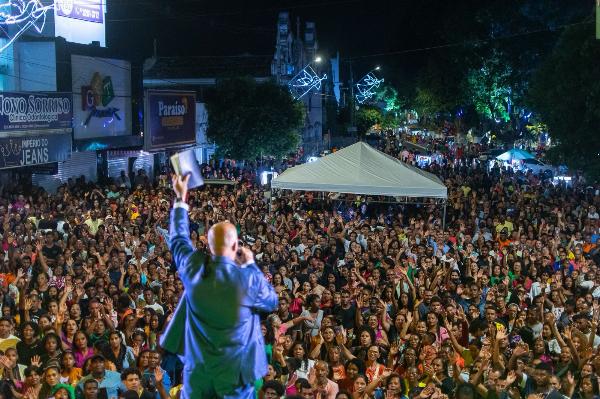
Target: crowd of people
[[376, 300]]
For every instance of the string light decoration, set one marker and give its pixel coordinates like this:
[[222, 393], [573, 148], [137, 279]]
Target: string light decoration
[[367, 87], [305, 81], [23, 15]]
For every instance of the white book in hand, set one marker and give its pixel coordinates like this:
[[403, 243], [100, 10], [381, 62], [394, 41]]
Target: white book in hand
[[185, 163]]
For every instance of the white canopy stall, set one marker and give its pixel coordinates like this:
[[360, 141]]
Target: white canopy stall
[[361, 169]]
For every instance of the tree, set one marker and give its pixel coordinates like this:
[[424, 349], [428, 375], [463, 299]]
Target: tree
[[389, 96], [566, 93], [366, 118], [490, 88], [390, 121], [391, 105], [483, 73], [439, 87], [247, 120]]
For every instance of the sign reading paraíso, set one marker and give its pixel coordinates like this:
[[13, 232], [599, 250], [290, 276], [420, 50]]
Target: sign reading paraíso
[[170, 119]]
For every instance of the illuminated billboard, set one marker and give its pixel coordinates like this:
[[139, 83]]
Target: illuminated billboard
[[35, 111], [18, 17], [170, 119], [80, 21], [101, 97]]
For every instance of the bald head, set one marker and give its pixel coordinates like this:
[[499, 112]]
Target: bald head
[[222, 239]]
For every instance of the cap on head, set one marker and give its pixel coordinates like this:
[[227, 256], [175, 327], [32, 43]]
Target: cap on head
[[97, 358]]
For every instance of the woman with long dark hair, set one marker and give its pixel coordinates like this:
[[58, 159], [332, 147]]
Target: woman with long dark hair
[[118, 353], [408, 359], [434, 327], [399, 329], [389, 299], [321, 344], [269, 338], [365, 337], [52, 350], [354, 368], [334, 358], [438, 374], [277, 283], [51, 379], [380, 334], [81, 349], [69, 371], [13, 369], [31, 386], [306, 364], [128, 327], [313, 313], [29, 345], [67, 334], [143, 360], [587, 388], [154, 330]]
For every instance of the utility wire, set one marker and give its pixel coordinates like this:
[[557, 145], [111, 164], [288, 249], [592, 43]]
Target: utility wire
[[466, 43], [237, 12], [381, 54]]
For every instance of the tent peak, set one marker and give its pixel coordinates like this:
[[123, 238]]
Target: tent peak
[[361, 169]]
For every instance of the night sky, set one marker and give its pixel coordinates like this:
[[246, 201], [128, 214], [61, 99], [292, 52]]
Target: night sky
[[356, 28]]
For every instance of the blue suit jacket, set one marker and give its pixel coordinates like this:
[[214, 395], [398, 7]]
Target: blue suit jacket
[[216, 326]]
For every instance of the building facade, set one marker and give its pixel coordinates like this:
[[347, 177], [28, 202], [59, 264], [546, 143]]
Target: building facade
[[61, 57], [294, 52]]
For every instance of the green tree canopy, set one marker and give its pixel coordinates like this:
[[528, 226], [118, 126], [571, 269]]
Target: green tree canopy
[[248, 119], [367, 117], [490, 88], [389, 96], [484, 71], [566, 92], [439, 86]]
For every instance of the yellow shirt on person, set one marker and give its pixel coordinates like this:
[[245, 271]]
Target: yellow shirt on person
[[9, 342], [506, 225], [93, 225], [72, 377]]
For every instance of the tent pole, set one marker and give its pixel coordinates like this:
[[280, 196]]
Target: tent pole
[[444, 217], [271, 199]]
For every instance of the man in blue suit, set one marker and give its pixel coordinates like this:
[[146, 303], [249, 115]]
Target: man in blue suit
[[216, 326]]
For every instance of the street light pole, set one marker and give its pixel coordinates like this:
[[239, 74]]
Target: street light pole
[[377, 68], [351, 94], [351, 102]]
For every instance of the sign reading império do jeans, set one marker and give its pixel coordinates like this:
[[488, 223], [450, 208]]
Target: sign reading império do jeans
[[30, 150], [170, 119], [35, 111]]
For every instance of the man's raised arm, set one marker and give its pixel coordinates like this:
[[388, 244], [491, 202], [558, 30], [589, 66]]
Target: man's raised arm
[[179, 231]]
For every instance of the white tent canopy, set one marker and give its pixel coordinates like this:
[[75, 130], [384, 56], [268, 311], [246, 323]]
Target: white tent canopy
[[361, 169], [516, 154]]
